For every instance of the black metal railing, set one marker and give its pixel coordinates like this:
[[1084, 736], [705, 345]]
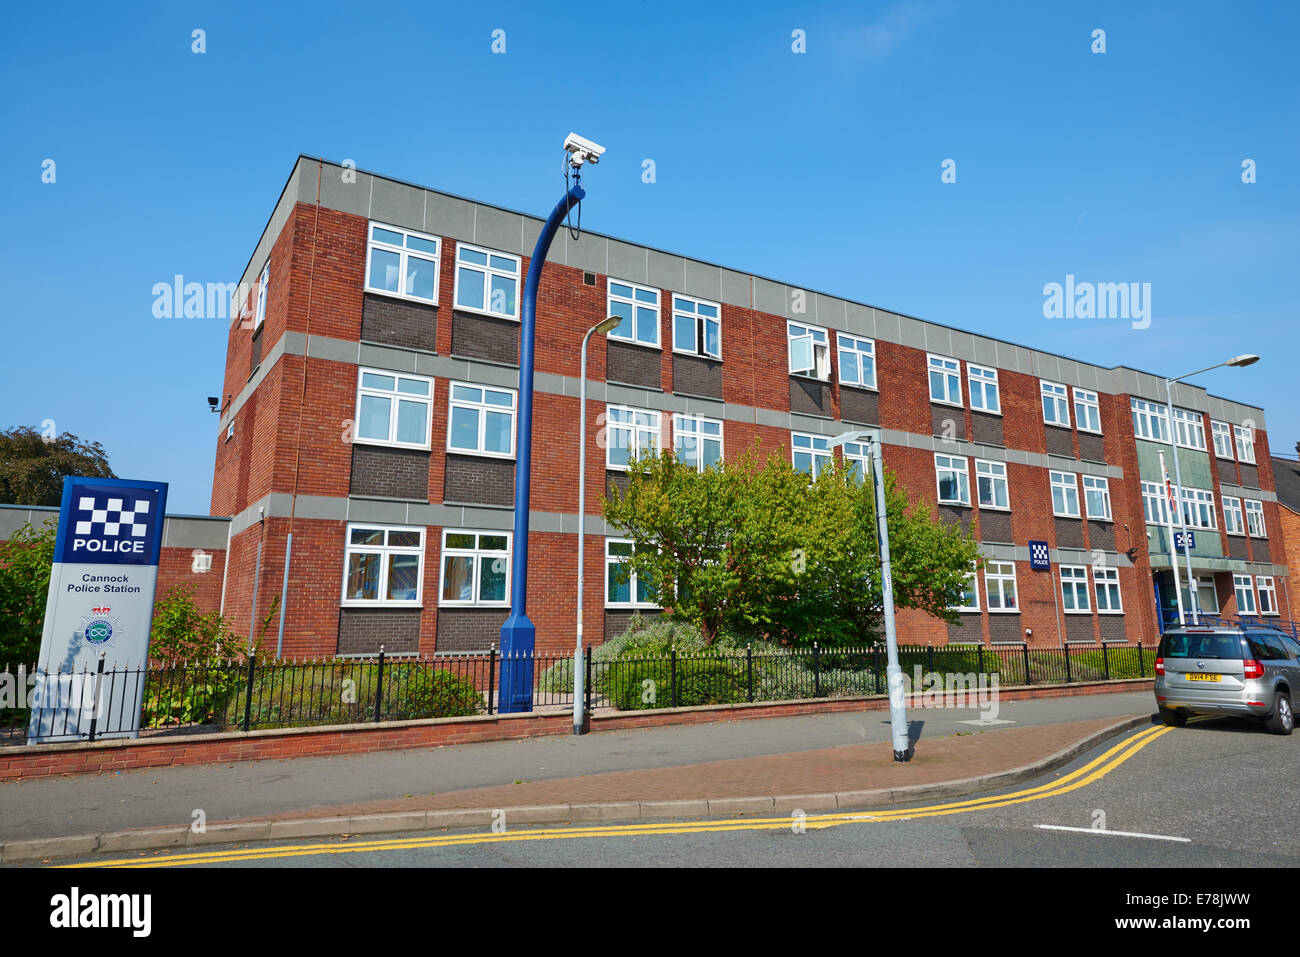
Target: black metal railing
[[196, 697]]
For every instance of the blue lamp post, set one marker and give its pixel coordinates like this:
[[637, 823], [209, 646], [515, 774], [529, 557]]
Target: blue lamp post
[[518, 636]]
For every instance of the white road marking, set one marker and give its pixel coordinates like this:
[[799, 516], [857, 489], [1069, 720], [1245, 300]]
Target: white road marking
[[1098, 830], [987, 721]]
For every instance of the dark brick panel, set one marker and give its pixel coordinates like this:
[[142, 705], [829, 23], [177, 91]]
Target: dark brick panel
[[469, 629], [985, 428], [1101, 535], [859, 405], [479, 480], [995, 526], [1079, 628], [1112, 627], [1069, 533], [1237, 548], [1092, 447], [942, 415], [956, 515], [1227, 471], [810, 396], [1249, 475], [634, 365], [695, 375], [616, 621], [363, 630], [619, 480], [1259, 549], [1006, 627], [396, 322], [968, 629], [1059, 441], [390, 473], [483, 337]]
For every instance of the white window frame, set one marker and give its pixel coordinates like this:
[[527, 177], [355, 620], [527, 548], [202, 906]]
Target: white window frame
[[944, 463], [857, 456], [1189, 429], [385, 551], [1198, 509], [396, 397], [1087, 408], [689, 426], [1255, 525], [1264, 586], [476, 553], [1155, 499], [1098, 485], [864, 351], [1222, 435], [1078, 580], [1234, 520], [996, 577], [994, 473], [1245, 442], [949, 372], [1105, 586], [973, 578], [1057, 395], [819, 345], [982, 381], [631, 300], [815, 446], [698, 322], [404, 256], [632, 578], [488, 271], [1147, 415], [1072, 484], [482, 407], [635, 430], [1240, 582], [263, 281]]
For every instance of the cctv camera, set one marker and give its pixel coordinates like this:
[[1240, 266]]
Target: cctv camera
[[582, 150]]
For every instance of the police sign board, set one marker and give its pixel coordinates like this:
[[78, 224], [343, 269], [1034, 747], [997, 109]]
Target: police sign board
[[100, 605], [1190, 539], [1040, 557]]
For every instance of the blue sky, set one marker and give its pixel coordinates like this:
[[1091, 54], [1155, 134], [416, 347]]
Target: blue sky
[[822, 169]]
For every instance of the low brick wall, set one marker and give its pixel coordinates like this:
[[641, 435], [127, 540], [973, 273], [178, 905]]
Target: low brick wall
[[42, 760]]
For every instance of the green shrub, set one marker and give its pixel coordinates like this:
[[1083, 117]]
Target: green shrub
[[197, 694], [633, 684]]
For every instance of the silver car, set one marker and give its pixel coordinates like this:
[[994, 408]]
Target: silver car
[[1244, 671]]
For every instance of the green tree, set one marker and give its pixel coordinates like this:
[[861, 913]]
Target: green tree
[[756, 547], [183, 633], [25, 561], [32, 467]]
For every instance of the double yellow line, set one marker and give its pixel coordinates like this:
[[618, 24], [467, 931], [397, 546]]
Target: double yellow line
[[1082, 777]]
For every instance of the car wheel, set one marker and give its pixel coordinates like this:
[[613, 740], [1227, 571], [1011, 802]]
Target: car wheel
[[1282, 720], [1175, 719]]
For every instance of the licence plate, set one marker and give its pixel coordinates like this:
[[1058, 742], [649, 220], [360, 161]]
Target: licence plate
[[1197, 676]]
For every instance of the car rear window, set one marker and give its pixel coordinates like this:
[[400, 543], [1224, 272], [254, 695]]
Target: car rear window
[[1200, 646]]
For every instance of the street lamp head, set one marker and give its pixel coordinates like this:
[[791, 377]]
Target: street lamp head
[[855, 436], [607, 324], [1243, 360]]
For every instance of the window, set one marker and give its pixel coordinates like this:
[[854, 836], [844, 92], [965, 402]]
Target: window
[[1245, 594], [481, 420], [1074, 588], [393, 409], [855, 460], [1087, 411], [629, 433], [1189, 429], [1233, 523], [487, 281], [260, 315], [1065, 494], [475, 568], [1150, 421], [983, 384], [1198, 508], [809, 350], [696, 327], [402, 263], [991, 484], [1105, 582], [697, 440], [1255, 519], [970, 596], [945, 380], [1056, 409], [1245, 436], [857, 360], [623, 587], [1155, 503], [639, 308], [1222, 433], [1000, 584], [1096, 496], [382, 565], [810, 453], [1267, 595], [953, 479]]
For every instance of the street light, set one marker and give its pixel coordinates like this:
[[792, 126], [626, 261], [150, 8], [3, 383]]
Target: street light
[[1245, 359], [893, 673], [600, 328]]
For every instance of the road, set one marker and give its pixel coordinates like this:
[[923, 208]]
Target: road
[[1216, 793]]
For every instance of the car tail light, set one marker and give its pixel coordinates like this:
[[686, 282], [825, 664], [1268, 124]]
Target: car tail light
[[1253, 669], [1160, 666]]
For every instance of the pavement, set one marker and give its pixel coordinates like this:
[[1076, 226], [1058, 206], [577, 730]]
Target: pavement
[[739, 767]]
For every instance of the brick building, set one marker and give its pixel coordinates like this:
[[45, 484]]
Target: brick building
[[369, 407]]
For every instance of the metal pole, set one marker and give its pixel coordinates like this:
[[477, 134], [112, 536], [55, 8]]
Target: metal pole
[[284, 594], [1173, 551], [582, 530], [893, 673], [1182, 516]]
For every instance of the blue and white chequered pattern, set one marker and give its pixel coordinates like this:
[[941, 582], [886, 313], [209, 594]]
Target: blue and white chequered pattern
[[112, 516]]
